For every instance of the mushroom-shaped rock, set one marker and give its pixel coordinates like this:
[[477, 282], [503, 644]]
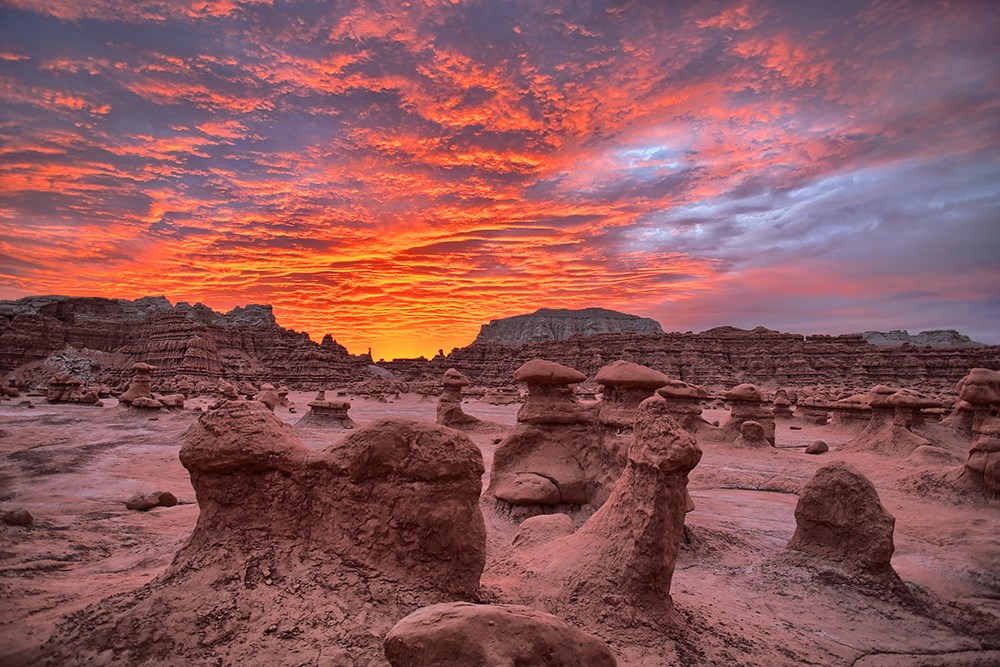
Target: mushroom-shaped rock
[[327, 414], [622, 559], [815, 408], [141, 386], [979, 400], [744, 392], [747, 403], [268, 395], [888, 429], [781, 406], [543, 372], [980, 387], [626, 385], [840, 518], [684, 403], [227, 390], [752, 436], [627, 374], [550, 399], [454, 378], [363, 532], [907, 405], [853, 410], [449, 407], [555, 438], [460, 634]]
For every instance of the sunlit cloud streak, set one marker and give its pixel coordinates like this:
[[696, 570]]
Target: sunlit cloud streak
[[397, 174]]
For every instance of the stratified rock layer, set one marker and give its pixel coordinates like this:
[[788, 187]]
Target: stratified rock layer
[[243, 344]]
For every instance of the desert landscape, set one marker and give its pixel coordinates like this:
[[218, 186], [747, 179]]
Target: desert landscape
[[172, 517], [499, 333]]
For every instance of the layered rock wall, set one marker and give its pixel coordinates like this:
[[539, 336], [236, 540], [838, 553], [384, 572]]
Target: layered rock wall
[[244, 344]]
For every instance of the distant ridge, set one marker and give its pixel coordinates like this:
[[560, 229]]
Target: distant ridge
[[550, 324], [930, 338]]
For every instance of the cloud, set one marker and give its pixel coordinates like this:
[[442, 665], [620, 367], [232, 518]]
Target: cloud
[[398, 174]]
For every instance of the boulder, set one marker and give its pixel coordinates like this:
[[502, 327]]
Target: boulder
[[817, 447], [18, 517], [459, 634], [840, 518]]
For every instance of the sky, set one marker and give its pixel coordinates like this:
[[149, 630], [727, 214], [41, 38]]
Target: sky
[[399, 173]]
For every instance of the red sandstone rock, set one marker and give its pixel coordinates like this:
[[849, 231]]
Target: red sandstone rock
[[983, 465], [621, 560], [290, 540], [752, 435], [626, 385], [459, 634], [747, 405], [839, 518]]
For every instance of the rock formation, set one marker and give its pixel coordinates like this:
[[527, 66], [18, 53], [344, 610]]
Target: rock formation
[[983, 465], [684, 404], [840, 518], [64, 388], [449, 407], [889, 429], [268, 395], [979, 400], [553, 455], [289, 543], [625, 386], [747, 405], [324, 413], [459, 634], [621, 561], [548, 324], [752, 436], [245, 343], [724, 357], [142, 384], [781, 406], [931, 338]]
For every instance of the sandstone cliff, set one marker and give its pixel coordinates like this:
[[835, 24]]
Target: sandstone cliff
[[243, 344], [561, 324], [724, 357]]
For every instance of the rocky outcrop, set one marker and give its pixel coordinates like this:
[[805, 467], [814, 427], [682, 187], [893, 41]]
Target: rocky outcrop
[[983, 465], [547, 324], [460, 634], [291, 543], [244, 344], [327, 414], [553, 455], [931, 338], [617, 568], [726, 356], [449, 407]]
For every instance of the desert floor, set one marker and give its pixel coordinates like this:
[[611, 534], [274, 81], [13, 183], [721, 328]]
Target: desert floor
[[73, 467]]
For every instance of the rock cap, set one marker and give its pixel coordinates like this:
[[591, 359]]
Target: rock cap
[[541, 371]]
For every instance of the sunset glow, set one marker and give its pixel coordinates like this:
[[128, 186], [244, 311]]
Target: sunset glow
[[397, 174]]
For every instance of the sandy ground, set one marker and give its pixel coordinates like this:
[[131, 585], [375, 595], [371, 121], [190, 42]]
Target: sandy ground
[[73, 467]]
